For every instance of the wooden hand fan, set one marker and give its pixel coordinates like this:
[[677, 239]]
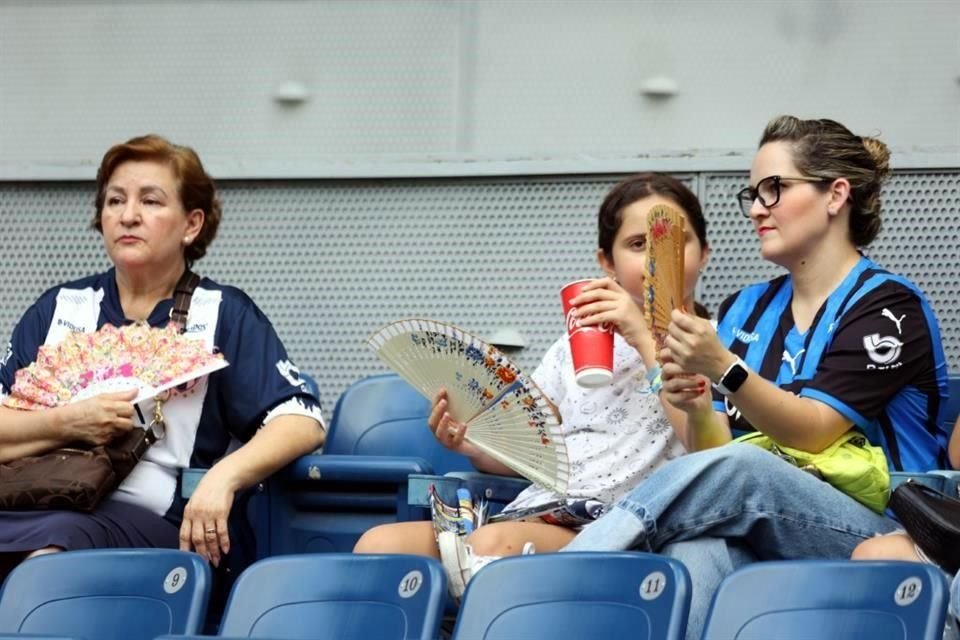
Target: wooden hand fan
[[507, 415], [664, 284], [86, 364]]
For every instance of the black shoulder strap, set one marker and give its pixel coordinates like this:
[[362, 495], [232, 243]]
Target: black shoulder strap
[[182, 294]]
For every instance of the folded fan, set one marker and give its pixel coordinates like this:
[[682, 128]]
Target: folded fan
[[666, 239], [507, 415], [111, 359]]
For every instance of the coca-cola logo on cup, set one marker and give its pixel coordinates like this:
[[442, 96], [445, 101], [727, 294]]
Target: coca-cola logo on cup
[[574, 325]]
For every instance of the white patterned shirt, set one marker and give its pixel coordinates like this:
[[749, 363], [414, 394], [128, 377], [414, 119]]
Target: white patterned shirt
[[616, 435]]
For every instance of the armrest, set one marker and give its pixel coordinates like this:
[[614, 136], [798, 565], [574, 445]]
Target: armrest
[[951, 481], [496, 489], [317, 468], [931, 480], [492, 487]]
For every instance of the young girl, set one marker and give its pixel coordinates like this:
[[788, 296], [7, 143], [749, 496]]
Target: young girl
[[616, 435]]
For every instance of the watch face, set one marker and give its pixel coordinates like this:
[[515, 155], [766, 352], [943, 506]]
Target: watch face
[[735, 377]]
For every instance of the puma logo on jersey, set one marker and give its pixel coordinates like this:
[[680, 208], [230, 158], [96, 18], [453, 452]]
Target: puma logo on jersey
[[886, 313], [791, 360]]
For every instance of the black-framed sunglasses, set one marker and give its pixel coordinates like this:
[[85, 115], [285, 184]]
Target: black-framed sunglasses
[[768, 192]]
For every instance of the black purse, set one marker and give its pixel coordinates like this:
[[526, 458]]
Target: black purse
[[78, 477], [932, 519]]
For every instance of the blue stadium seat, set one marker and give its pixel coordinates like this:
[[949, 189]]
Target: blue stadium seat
[[378, 437], [337, 596], [839, 600], [115, 594], [37, 636], [943, 480], [952, 410], [560, 596]]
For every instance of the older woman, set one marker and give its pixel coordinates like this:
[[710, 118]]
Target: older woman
[[158, 211]]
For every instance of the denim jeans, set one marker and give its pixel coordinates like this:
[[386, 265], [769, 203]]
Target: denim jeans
[[709, 561], [739, 493]]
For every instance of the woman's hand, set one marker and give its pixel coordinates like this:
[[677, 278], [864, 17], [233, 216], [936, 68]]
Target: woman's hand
[[693, 345], [687, 392], [448, 431], [100, 419], [603, 301], [204, 527]]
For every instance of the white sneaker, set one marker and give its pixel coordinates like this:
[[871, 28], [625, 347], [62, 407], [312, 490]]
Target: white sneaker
[[460, 563]]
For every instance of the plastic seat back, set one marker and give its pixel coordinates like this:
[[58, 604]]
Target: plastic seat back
[[114, 594], [952, 410], [556, 596], [382, 415], [840, 600], [338, 597]]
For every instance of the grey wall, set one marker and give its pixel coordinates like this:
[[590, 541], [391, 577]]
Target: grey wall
[[445, 87], [486, 134], [330, 261]]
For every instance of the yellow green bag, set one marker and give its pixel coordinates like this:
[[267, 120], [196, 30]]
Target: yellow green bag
[[850, 464]]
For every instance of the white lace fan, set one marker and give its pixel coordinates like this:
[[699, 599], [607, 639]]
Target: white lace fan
[[508, 416], [111, 359]]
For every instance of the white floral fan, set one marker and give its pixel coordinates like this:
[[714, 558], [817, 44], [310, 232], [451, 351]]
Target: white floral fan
[[111, 359], [508, 416]]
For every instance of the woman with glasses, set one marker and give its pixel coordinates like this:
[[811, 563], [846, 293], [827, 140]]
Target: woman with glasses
[[838, 343]]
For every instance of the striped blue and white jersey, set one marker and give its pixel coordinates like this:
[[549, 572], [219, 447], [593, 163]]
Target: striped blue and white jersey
[[873, 353], [205, 421]]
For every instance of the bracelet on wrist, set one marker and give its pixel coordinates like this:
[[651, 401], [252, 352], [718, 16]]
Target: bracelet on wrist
[[655, 379]]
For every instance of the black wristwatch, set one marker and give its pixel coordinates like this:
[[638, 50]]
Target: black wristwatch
[[733, 378]]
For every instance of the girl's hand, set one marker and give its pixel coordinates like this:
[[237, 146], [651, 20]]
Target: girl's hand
[[605, 301], [693, 345], [448, 431]]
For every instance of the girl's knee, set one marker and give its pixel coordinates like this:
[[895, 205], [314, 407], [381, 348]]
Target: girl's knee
[[499, 539], [415, 538], [379, 539]]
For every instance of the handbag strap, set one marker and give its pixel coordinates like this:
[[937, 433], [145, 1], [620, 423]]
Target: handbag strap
[[182, 294]]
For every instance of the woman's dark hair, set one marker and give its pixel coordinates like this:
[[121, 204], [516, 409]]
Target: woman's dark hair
[[827, 149], [196, 188], [645, 185]]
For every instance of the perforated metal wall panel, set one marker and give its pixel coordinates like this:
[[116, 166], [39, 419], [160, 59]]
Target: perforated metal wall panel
[[331, 261]]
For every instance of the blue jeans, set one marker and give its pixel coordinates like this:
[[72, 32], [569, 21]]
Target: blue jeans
[[743, 495], [709, 560]]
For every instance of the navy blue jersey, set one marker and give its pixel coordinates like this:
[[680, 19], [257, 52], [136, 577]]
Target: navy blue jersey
[[207, 420], [873, 353]]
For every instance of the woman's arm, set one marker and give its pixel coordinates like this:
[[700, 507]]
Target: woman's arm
[[794, 421], [279, 442], [93, 421]]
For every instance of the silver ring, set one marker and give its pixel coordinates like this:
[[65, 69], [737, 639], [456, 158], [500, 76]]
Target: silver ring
[[210, 530]]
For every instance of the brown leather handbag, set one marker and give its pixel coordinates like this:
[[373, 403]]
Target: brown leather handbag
[[77, 478]]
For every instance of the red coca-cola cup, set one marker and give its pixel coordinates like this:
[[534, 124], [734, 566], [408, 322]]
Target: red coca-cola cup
[[591, 346]]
